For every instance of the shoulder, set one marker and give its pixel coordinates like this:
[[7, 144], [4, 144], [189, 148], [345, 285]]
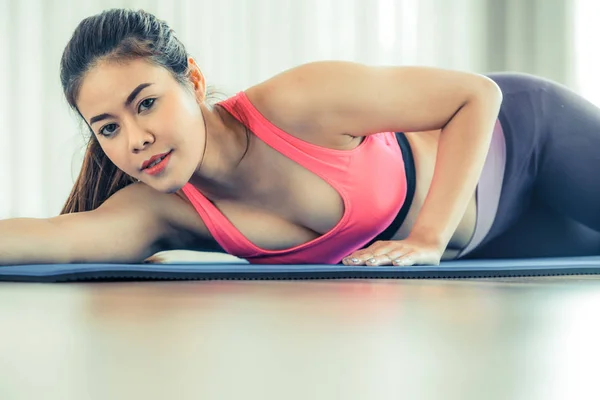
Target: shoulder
[[303, 101], [132, 224], [171, 211], [299, 90], [310, 76], [342, 97], [309, 101]]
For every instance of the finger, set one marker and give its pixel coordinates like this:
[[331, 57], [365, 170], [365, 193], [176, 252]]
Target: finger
[[357, 259], [406, 259], [382, 259], [386, 254], [402, 256], [360, 257], [398, 253], [421, 258]]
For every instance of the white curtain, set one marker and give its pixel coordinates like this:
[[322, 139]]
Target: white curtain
[[586, 52], [240, 42]]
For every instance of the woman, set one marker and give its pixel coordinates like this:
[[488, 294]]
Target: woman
[[327, 162]]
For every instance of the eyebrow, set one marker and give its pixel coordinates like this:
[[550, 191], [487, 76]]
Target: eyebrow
[[128, 101]]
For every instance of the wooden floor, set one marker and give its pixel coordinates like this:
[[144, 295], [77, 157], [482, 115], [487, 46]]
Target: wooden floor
[[502, 339]]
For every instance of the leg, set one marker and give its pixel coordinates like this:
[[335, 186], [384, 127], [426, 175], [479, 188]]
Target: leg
[[548, 201], [541, 232], [567, 178]]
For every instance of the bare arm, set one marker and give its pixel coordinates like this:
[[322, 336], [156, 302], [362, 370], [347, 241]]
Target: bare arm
[[335, 98], [126, 228]]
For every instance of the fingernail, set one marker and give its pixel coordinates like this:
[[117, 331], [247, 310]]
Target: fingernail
[[372, 261], [354, 260]]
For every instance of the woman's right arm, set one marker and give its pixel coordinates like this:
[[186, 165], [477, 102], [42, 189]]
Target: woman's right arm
[[127, 228]]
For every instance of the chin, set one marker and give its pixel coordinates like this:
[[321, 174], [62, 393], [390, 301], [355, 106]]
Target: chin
[[164, 187], [172, 189], [169, 188], [169, 183]]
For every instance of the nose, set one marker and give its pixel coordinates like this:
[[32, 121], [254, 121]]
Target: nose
[[139, 139]]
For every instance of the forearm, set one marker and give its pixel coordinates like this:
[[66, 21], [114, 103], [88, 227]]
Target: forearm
[[29, 241], [462, 151]]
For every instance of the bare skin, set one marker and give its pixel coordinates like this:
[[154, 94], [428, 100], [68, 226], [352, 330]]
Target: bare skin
[[424, 147], [266, 220], [264, 194]]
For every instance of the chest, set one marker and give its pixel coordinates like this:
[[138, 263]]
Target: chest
[[280, 188], [288, 204]]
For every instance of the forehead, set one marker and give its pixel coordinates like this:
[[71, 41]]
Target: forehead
[[108, 84]]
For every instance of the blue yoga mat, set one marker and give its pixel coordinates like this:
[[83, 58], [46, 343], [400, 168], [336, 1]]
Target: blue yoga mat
[[244, 271]]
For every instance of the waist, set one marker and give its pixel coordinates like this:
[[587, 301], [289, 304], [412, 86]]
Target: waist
[[411, 184]]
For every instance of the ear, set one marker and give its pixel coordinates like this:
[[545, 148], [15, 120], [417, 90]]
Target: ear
[[197, 79]]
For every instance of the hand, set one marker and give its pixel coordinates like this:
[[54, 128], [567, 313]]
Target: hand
[[396, 252]]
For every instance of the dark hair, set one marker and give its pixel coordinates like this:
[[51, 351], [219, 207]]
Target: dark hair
[[113, 35]]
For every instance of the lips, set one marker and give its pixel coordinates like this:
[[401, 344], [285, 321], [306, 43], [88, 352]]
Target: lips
[[154, 159]]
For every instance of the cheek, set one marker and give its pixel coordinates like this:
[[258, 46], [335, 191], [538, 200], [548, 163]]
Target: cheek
[[187, 128], [195, 140], [117, 155], [172, 124]]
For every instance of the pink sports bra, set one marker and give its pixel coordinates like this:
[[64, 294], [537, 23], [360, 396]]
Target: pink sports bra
[[370, 179]]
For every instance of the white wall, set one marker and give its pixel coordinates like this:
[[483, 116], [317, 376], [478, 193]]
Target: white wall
[[240, 42]]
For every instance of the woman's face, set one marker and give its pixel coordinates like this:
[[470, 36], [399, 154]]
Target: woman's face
[[147, 123]]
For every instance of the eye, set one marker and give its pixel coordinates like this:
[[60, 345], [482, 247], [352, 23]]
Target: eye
[[108, 130], [147, 104]]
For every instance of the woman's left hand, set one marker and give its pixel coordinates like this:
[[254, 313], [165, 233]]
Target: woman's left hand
[[396, 252]]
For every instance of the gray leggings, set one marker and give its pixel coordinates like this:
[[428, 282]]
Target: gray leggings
[[549, 201]]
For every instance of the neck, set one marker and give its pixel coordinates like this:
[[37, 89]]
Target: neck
[[219, 174]]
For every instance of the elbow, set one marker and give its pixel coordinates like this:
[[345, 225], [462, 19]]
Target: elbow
[[488, 91]]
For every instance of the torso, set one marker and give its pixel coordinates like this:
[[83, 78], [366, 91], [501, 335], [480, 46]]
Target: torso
[[424, 149], [281, 209]]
